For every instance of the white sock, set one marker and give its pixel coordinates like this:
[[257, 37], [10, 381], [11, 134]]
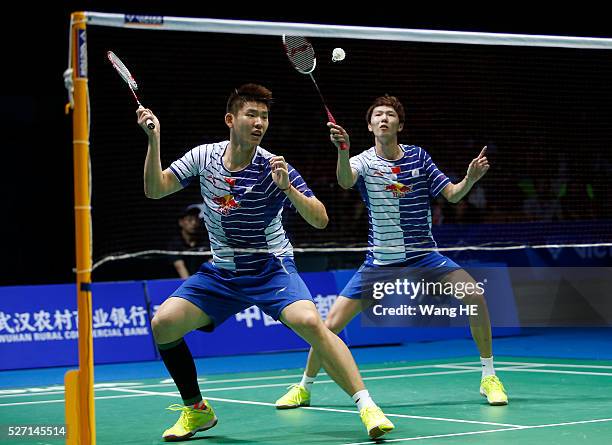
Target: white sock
[[362, 399], [307, 382], [487, 366]]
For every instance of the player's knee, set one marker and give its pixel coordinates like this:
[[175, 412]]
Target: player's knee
[[310, 321], [161, 325]]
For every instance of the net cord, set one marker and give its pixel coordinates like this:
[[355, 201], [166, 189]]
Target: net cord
[[125, 256], [337, 31]]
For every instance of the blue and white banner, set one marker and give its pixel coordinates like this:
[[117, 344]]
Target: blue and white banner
[[39, 325]]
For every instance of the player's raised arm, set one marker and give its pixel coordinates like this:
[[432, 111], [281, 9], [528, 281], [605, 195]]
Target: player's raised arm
[[345, 174], [157, 183], [476, 170]]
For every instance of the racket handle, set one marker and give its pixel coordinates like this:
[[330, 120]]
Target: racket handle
[[150, 124], [330, 117]]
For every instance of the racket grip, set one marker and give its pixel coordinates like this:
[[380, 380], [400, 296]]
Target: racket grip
[[150, 124], [330, 117]]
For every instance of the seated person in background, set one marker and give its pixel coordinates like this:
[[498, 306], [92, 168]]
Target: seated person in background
[[191, 238]]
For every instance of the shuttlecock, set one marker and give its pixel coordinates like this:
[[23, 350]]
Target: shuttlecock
[[338, 54]]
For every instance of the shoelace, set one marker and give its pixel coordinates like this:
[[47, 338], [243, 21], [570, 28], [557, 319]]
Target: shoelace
[[184, 419], [186, 411], [177, 407], [494, 380]]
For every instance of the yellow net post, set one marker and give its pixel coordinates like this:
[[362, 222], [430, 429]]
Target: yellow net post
[[80, 416]]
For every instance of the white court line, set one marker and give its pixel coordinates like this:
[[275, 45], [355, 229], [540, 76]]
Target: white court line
[[139, 393], [385, 440], [314, 408], [271, 385], [42, 402], [484, 432], [276, 385], [559, 365], [525, 368], [162, 385], [516, 367], [206, 381], [478, 368], [362, 371], [556, 371]]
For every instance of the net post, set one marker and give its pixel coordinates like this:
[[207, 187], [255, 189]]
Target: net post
[[80, 415]]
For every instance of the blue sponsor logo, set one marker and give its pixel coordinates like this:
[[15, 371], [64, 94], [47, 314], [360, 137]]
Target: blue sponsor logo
[[143, 19], [82, 53]]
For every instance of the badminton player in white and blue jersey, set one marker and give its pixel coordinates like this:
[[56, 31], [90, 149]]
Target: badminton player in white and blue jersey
[[396, 183], [245, 189]]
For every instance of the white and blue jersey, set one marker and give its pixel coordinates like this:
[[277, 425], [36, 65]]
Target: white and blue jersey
[[397, 194], [242, 209]]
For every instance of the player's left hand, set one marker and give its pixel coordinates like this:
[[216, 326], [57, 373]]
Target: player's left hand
[[280, 172], [478, 167]]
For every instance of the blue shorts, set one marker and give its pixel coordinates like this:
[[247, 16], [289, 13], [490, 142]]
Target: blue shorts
[[221, 293], [432, 267]]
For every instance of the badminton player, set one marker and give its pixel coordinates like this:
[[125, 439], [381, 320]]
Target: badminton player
[[396, 182], [245, 189]]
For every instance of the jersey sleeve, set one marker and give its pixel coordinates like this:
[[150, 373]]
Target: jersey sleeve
[[187, 168], [298, 183], [436, 180], [359, 164]]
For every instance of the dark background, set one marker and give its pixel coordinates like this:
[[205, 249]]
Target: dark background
[[37, 222]]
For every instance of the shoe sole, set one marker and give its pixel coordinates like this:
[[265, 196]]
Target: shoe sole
[[291, 406], [378, 431], [494, 403], [192, 433]]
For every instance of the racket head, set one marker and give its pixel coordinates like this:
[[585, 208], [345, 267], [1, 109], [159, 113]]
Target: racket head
[[301, 53], [122, 70]]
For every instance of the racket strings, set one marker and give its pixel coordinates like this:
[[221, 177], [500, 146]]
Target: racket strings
[[300, 53], [122, 70]]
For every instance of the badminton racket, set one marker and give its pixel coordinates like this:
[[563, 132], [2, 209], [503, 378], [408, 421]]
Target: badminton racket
[[302, 56], [129, 79]]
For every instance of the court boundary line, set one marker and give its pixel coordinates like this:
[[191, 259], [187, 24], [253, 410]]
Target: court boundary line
[[525, 368], [316, 408], [518, 428], [132, 392], [207, 390], [460, 367]]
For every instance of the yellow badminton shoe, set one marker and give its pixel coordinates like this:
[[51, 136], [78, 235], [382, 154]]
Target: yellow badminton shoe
[[296, 396], [493, 389], [375, 422], [190, 422]]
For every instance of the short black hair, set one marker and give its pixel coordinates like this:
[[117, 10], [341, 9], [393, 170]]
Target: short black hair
[[249, 92], [390, 101]]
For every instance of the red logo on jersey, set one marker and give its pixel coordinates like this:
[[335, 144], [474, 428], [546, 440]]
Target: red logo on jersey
[[395, 170], [398, 190], [230, 181], [225, 203]]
